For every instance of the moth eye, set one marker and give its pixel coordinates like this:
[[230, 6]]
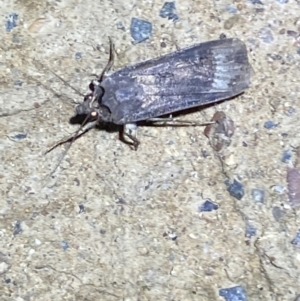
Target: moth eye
[[88, 97], [94, 115]]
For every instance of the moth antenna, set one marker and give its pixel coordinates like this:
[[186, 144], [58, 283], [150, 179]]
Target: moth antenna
[[104, 71], [110, 60], [66, 83], [71, 139]]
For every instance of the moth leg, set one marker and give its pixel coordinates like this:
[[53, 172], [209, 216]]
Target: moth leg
[[175, 121], [130, 130], [74, 136]]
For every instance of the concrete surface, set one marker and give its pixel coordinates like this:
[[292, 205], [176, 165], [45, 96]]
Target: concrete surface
[[140, 235]]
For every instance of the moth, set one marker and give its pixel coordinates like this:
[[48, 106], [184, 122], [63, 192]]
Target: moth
[[191, 77]]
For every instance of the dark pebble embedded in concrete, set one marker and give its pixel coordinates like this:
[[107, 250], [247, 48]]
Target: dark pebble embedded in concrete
[[16, 137], [274, 56], [78, 56], [235, 189], [258, 195], [286, 156], [296, 240], [250, 230], [256, 2], [290, 111], [168, 11], [140, 30], [279, 189], [81, 208], [270, 125], [17, 228], [208, 206], [266, 35], [277, 212], [65, 245], [11, 22], [231, 9], [236, 293], [222, 36], [18, 83], [120, 26]]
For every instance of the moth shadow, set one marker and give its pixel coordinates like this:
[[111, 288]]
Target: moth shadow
[[115, 128], [101, 126]]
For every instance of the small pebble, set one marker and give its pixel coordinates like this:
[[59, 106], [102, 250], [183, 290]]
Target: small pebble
[[78, 56], [236, 293], [81, 208], [163, 44], [274, 56], [256, 2], [296, 240], [17, 137], [208, 206], [173, 236], [266, 35], [120, 26], [258, 195], [143, 251], [38, 24], [270, 124], [168, 11], [235, 189], [231, 9], [279, 189], [222, 36], [15, 39], [286, 156], [18, 83], [250, 231], [140, 30], [17, 228], [230, 22], [37, 241], [65, 245], [292, 33], [171, 257], [277, 212], [11, 22], [290, 111]]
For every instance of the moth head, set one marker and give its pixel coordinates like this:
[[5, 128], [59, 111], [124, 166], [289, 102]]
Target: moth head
[[90, 101], [91, 105]]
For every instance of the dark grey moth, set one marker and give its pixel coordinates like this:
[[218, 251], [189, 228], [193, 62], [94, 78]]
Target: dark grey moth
[[194, 76]]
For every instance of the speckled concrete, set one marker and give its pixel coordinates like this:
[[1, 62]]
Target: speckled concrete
[[140, 235]]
